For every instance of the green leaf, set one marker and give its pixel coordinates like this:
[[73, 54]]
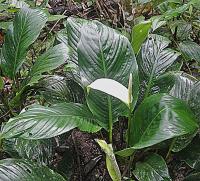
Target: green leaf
[[182, 88], [108, 56], [1, 83], [62, 36], [194, 100], [71, 36], [164, 83], [182, 142], [35, 150], [193, 177], [50, 60], [17, 4], [57, 89], [153, 168], [190, 49], [111, 162], [112, 88], [125, 152], [165, 117], [157, 22], [16, 169], [74, 26], [172, 13], [40, 122], [191, 154], [184, 30], [155, 58], [25, 30], [139, 34]]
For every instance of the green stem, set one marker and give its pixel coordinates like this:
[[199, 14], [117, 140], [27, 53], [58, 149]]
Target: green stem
[[148, 86], [170, 148], [127, 169], [129, 128], [0, 143], [110, 119]]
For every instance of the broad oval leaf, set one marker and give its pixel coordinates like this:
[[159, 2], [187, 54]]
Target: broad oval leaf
[[104, 53], [40, 151], [182, 88], [35, 150], [158, 118], [112, 88], [139, 34], [153, 168], [111, 162], [50, 60], [164, 83], [155, 58], [16, 169], [194, 100], [182, 141], [40, 122], [190, 49], [25, 30], [74, 26], [57, 89]]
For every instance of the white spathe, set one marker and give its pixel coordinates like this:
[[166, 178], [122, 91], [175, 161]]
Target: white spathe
[[112, 88]]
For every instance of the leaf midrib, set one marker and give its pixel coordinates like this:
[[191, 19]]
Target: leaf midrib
[[152, 73], [47, 116]]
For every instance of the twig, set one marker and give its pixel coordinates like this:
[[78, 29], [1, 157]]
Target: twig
[[53, 27], [5, 114]]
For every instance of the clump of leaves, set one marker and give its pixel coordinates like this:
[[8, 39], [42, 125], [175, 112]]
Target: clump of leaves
[[160, 103]]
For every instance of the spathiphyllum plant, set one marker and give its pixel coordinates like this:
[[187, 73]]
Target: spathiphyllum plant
[[106, 77]]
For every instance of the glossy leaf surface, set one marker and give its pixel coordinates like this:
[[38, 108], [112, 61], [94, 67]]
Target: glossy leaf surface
[[34, 150], [15, 170], [165, 117], [139, 34], [104, 53], [155, 58], [182, 86], [153, 168], [40, 122], [190, 49], [50, 60], [194, 100], [57, 89], [74, 26], [25, 30], [182, 89]]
